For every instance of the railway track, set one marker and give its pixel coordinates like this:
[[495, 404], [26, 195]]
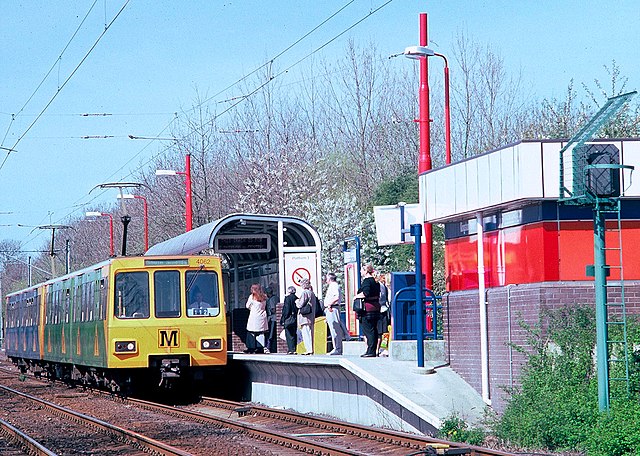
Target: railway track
[[371, 440], [90, 435], [196, 428], [14, 442]]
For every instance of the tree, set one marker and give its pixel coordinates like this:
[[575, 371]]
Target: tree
[[626, 124], [489, 108]]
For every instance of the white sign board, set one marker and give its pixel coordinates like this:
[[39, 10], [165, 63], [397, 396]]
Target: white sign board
[[300, 266], [389, 223]]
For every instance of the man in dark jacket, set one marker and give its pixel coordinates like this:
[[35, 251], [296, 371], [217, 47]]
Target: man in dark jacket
[[272, 319], [289, 320]]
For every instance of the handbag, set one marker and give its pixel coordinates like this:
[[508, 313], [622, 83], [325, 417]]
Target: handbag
[[306, 309], [358, 306]]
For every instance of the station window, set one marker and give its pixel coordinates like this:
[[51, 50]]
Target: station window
[[166, 295], [202, 294], [132, 295]]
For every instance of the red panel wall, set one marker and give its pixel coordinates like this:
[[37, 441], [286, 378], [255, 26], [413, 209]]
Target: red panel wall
[[537, 252]]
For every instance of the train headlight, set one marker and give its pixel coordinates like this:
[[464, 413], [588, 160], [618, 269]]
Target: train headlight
[[126, 346], [211, 344]]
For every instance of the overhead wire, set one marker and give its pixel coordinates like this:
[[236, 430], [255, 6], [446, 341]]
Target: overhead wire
[[65, 82], [276, 56], [13, 116], [286, 70], [240, 99]]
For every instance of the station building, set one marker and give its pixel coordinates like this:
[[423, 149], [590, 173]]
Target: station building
[[514, 250]]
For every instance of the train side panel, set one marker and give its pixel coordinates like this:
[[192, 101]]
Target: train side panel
[[21, 324], [88, 323]]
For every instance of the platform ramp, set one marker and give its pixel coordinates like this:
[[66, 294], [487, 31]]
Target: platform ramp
[[380, 391]]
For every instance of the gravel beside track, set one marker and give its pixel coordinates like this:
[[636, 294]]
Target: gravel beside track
[[65, 438]]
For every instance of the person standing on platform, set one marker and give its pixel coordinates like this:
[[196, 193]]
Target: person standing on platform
[[257, 322], [306, 320], [385, 316], [369, 291], [272, 320], [332, 313], [289, 320]]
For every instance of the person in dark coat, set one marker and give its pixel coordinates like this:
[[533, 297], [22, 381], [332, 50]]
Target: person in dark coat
[[289, 320], [369, 291], [272, 320]]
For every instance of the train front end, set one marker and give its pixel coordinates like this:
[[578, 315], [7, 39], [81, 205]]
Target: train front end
[[166, 318]]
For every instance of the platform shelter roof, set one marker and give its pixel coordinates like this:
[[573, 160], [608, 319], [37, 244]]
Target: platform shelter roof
[[247, 236]]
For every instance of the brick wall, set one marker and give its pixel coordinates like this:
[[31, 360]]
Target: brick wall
[[506, 308]]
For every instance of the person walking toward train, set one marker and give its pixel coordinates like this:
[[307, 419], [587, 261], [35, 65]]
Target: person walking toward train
[[289, 320], [306, 315], [332, 301], [257, 322], [369, 291], [272, 320]]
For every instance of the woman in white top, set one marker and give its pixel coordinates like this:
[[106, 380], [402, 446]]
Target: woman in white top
[[257, 323]]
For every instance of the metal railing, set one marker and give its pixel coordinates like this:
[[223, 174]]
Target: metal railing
[[403, 304]]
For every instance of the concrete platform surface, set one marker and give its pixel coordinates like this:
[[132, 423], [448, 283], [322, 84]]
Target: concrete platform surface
[[433, 393]]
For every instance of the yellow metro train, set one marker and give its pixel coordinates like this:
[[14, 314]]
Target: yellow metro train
[[122, 323]]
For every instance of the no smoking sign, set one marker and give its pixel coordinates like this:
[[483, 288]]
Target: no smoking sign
[[299, 275]]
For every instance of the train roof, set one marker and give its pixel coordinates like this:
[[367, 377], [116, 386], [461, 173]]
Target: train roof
[[84, 270]]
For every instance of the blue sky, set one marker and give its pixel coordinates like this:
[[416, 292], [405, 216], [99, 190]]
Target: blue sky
[[157, 53]]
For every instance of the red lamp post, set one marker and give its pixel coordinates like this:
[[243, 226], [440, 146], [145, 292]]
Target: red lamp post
[[104, 214], [187, 174], [422, 53], [447, 111]]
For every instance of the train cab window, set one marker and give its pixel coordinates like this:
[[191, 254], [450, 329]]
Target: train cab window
[[132, 295], [166, 295], [202, 294]]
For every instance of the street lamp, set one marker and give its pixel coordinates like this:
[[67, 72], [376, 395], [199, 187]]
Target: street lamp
[[123, 207], [146, 216], [447, 110], [422, 53], [170, 172], [187, 174], [104, 214]]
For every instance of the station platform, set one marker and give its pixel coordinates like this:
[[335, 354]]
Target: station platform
[[382, 391]]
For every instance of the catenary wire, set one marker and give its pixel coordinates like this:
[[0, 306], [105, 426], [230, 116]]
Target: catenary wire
[[65, 82], [13, 116], [242, 98]]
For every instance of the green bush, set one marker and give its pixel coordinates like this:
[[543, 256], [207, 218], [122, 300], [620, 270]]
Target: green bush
[[556, 406], [456, 430], [616, 433]]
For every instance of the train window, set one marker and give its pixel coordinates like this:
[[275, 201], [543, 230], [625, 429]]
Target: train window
[[90, 300], [103, 299], [132, 295], [67, 305], [202, 293], [166, 295], [77, 301], [56, 307]]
